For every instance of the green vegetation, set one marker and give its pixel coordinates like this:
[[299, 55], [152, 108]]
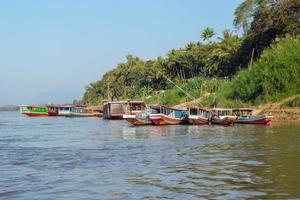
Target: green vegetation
[[231, 70], [276, 75]]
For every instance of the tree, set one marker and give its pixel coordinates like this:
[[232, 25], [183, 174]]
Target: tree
[[207, 34]]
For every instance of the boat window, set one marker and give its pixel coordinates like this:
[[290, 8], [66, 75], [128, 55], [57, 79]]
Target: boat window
[[193, 112]]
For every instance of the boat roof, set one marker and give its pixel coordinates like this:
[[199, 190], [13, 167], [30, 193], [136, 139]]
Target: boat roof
[[158, 106], [242, 109], [124, 102], [66, 106], [200, 108], [221, 109], [30, 106]]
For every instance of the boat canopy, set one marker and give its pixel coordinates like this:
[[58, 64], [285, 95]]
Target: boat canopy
[[242, 111], [221, 111]]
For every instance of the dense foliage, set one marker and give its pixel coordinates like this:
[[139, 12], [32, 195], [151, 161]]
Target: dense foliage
[[274, 76], [213, 61]]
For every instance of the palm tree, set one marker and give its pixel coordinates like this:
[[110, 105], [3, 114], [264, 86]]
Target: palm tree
[[207, 33]]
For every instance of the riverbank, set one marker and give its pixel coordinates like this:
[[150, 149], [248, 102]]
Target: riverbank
[[279, 110]]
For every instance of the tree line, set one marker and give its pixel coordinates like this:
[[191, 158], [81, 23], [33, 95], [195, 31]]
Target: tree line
[[213, 56]]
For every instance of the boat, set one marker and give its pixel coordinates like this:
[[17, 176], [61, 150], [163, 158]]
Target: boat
[[223, 116], [244, 116], [197, 115], [138, 119], [141, 118], [116, 109], [52, 110], [169, 116], [95, 111], [34, 111], [65, 110], [82, 111]]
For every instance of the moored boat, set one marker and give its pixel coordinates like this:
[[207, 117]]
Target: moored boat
[[52, 110], [169, 116], [34, 111], [138, 119], [116, 109], [65, 110], [197, 115], [244, 116], [223, 116], [82, 111], [141, 118]]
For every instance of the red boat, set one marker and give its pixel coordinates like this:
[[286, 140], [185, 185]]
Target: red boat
[[52, 110], [223, 116], [169, 116], [198, 115]]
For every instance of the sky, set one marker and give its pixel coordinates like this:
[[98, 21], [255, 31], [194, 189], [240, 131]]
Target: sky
[[51, 50]]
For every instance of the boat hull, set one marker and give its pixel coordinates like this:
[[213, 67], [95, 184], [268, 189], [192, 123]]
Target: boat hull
[[83, 115], [31, 114], [197, 120], [226, 121], [254, 120], [161, 119], [134, 120], [53, 113]]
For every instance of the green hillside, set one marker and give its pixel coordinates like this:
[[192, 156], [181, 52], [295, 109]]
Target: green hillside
[[259, 66]]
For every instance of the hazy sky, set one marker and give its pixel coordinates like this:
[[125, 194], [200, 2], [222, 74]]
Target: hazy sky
[[50, 50]]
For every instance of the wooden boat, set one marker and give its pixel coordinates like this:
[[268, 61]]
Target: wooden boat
[[95, 111], [82, 111], [223, 116], [65, 110], [197, 115], [34, 111], [142, 118], [116, 109], [52, 110], [244, 116], [138, 119], [169, 116]]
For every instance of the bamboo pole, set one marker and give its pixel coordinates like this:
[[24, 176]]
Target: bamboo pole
[[188, 94]]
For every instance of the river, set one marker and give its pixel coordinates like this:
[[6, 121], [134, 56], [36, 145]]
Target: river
[[91, 158]]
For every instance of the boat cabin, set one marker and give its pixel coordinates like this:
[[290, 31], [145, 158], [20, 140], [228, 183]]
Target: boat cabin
[[242, 112], [221, 112], [198, 111], [77, 110], [116, 109], [28, 108], [173, 112], [65, 110]]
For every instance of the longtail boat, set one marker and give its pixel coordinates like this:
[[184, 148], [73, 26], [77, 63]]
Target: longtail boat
[[34, 111], [169, 116], [65, 110], [142, 118], [197, 115], [223, 116], [138, 119], [244, 116], [82, 111]]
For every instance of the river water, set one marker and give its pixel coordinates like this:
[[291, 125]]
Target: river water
[[91, 158]]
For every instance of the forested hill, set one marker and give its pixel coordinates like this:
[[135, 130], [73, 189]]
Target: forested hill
[[262, 21]]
